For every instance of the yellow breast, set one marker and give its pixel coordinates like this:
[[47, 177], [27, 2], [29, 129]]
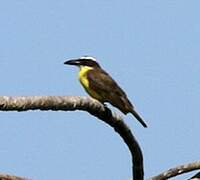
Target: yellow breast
[[83, 76], [85, 83]]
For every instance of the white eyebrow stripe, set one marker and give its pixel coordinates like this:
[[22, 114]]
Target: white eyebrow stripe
[[88, 57]]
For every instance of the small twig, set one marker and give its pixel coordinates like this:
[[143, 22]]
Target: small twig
[[177, 171], [71, 103], [197, 176]]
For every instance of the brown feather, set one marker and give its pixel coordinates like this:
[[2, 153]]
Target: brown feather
[[109, 91]]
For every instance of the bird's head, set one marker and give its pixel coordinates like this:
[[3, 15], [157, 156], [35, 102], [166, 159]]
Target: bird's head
[[84, 61]]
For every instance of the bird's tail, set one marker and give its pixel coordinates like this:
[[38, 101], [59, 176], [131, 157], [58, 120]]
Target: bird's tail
[[137, 116]]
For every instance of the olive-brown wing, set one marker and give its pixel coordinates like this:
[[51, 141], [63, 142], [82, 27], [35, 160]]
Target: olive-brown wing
[[103, 84]]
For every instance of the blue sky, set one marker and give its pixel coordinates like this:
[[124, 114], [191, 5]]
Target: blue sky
[[150, 47]]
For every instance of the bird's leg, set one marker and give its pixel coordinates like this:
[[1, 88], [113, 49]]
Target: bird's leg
[[107, 110]]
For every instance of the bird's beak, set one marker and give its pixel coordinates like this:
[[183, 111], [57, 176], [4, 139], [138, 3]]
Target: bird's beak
[[75, 62]]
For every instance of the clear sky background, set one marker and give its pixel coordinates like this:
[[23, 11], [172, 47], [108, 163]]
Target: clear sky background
[[150, 47]]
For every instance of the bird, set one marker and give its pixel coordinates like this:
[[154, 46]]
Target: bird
[[101, 86]]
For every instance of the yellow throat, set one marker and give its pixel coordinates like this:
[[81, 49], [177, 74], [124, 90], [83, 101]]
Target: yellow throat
[[85, 83], [83, 76]]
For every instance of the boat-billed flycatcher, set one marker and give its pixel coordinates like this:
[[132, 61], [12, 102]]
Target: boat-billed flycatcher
[[100, 85]]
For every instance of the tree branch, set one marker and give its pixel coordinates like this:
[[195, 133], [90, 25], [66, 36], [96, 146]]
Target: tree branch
[[177, 171], [10, 177], [71, 103]]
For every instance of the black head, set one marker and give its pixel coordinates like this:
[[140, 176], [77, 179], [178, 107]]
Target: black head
[[83, 61]]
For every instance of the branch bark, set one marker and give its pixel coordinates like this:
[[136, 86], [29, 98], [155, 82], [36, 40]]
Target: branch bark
[[71, 103], [177, 171], [10, 177]]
